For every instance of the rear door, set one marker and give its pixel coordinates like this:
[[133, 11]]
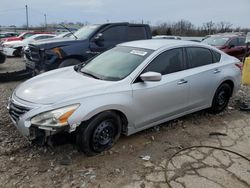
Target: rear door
[[204, 74], [155, 101]]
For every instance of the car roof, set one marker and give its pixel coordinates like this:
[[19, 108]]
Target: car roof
[[228, 35], [160, 43]]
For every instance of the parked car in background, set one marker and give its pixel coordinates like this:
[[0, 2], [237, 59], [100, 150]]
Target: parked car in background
[[129, 88], [230, 43], [8, 34], [15, 48], [86, 43], [23, 35], [166, 37]]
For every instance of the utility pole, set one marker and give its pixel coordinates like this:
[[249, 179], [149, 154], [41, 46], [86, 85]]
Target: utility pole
[[27, 17], [45, 21]]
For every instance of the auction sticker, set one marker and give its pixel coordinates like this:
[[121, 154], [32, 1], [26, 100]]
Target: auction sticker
[[138, 52]]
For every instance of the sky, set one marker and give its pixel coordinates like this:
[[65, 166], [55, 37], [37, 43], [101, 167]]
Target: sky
[[237, 12]]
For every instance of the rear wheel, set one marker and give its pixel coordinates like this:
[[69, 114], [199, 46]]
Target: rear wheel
[[99, 134], [69, 62], [221, 98]]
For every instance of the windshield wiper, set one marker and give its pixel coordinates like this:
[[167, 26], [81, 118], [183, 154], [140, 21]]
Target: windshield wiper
[[91, 75], [68, 30]]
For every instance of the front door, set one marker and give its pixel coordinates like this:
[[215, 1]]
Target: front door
[[111, 36], [156, 101]]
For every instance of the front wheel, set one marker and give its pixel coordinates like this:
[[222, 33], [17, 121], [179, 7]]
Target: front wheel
[[99, 134], [221, 98]]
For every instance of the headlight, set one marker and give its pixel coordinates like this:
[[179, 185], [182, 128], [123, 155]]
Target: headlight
[[55, 118]]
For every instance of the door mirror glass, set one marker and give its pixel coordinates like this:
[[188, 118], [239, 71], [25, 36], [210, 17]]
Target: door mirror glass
[[99, 37], [151, 76]]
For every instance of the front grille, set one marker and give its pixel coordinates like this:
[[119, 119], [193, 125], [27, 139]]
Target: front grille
[[16, 111]]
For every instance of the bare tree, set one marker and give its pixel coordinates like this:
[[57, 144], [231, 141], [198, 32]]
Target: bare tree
[[224, 27], [209, 27]]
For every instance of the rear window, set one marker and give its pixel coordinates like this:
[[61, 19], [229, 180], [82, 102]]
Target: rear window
[[216, 56], [136, 33]]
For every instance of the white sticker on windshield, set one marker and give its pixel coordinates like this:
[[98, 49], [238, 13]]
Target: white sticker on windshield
[[138, 52]]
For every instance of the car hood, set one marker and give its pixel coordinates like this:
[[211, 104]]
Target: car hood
[[55, 42], [18, 42], [60, 85]]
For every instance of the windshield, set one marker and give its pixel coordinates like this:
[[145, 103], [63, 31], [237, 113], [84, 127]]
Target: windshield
[[216, 41], [85, 31], [116, 64]]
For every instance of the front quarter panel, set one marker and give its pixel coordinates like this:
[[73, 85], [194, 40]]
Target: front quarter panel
[[119, 100]]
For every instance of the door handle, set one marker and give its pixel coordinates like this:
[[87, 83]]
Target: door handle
[[182, 81], [216, 71]]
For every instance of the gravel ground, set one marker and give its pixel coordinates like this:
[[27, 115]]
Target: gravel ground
[[23, 164]]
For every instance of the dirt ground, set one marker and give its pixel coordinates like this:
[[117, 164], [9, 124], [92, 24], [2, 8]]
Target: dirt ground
[[23, 164]]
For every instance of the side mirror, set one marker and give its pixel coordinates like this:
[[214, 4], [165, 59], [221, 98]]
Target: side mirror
[[231, 46], [99, 37], [151, 76]]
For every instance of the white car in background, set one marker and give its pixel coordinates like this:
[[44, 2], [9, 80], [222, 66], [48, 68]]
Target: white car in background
[[14, 48], [166, 37], [64, 35]]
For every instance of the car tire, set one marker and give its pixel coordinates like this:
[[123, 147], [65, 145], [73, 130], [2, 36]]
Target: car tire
[[2, 58], [17, 53], [69, 62], [98, 134], [221, 98]]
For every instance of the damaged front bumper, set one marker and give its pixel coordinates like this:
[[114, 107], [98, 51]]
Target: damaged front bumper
[[20, 114]]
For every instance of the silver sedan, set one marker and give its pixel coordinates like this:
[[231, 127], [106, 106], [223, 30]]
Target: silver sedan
[[129, 88]]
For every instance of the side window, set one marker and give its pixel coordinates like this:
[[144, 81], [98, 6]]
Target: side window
[[242, 41], [233, 42], [216, 56], [116, 33], [136, 33], [27, 35], [39, 38], [199, 57], [167, 62]]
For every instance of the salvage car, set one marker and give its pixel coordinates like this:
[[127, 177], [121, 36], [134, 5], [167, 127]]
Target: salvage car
[[14, 48], [132, 87], [230, 43]]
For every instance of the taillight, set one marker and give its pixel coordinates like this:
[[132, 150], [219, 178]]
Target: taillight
[[239, 65]]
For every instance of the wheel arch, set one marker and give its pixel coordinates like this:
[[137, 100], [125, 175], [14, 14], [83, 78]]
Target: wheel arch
[[230, 83], [120, 113]]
